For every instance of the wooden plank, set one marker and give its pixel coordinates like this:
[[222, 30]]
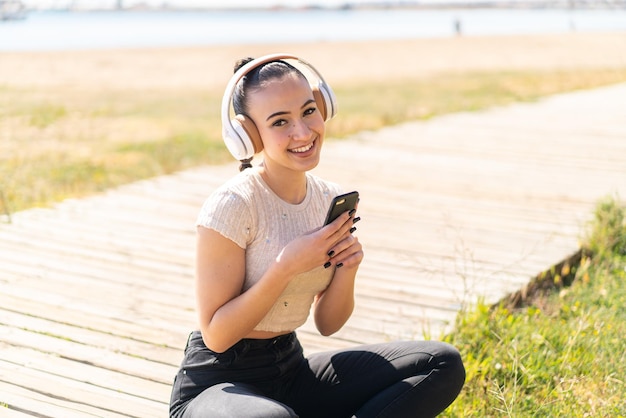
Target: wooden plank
[[81, 334], [103, 322], [56, 396], [50, 366], [105, 357], [26, 402]]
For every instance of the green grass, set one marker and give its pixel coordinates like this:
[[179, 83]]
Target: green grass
[[560, 352], [62, 142]]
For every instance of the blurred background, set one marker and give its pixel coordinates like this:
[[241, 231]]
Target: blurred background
[[97, 93], [50, 24]]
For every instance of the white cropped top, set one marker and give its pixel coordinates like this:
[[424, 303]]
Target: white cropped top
[[246, 211]]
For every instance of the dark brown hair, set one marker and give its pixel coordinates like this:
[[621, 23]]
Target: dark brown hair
[[256, 79]]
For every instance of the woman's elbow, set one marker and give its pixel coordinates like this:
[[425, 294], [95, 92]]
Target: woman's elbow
[[327, 329], [326, 333], [217, 345]]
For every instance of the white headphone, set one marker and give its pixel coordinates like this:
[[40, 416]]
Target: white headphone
[[240, 133]]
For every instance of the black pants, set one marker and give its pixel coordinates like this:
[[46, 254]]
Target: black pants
[[271, 378]]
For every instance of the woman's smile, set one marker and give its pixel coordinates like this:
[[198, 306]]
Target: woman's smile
[[303, 149]]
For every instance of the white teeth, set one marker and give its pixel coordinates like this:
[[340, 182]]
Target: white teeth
[[303, 149]]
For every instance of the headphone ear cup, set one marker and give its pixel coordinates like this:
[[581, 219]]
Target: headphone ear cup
[[231, 133], [320, 102], [325, 100], [241, 137], [248, 133]]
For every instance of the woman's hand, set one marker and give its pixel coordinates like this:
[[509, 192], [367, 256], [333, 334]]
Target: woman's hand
[[348, 252], [335, 304], [320, 246]]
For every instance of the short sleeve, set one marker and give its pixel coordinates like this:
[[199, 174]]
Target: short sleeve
[[227, 213]]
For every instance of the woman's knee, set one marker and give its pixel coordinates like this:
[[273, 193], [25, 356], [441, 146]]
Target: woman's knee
[[450, 365], [229, 400], [440, 361]]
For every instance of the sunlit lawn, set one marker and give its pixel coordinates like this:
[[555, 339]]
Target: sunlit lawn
[[562, 353]]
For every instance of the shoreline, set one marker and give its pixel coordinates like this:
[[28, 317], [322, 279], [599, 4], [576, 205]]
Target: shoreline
[[341, 62]]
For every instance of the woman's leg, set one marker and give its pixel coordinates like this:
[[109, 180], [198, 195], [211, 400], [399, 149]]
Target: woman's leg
[[401, 379], [426, 394], [229, 400], [203, 386]]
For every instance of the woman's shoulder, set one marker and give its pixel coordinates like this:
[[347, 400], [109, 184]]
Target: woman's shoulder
[[230, 210], [235, 195], [243, 184]]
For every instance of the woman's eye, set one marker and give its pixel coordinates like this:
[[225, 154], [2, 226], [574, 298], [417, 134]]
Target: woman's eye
[[310, 111], [279, 122]]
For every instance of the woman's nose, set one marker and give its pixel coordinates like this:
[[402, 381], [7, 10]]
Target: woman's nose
[[300, 130]]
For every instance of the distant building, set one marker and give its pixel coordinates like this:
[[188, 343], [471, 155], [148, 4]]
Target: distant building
[[12, 10]]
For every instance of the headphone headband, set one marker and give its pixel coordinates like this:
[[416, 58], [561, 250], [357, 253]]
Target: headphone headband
[[240, 133]]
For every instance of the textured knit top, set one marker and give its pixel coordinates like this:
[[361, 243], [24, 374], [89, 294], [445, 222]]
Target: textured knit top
[[246, 211]]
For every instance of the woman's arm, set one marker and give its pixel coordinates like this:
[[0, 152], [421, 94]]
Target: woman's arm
[[226, 315], [334, 306]]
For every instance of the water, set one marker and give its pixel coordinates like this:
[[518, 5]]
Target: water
[[89, 30]]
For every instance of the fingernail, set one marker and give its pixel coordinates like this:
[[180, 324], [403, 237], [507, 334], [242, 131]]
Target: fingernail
[[357, 219], [331, 253], [352, 212], [339, 265], [328, 264], [352, 229]]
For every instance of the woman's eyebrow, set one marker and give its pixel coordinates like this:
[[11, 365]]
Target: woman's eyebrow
[[308, 102], [282, 112]]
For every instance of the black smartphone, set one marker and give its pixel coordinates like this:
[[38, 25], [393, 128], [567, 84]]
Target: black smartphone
[[341, 204]]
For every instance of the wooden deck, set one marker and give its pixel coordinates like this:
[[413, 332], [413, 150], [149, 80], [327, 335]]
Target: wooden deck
[[96, 295]]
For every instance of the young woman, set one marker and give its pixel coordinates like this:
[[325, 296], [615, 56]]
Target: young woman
[[264, 260]]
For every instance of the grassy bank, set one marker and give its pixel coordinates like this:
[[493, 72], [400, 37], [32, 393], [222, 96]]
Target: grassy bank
[[69, 142], [559, 352]]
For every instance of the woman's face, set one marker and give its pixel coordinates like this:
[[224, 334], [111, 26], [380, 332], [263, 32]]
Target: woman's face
[[289, 122]]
